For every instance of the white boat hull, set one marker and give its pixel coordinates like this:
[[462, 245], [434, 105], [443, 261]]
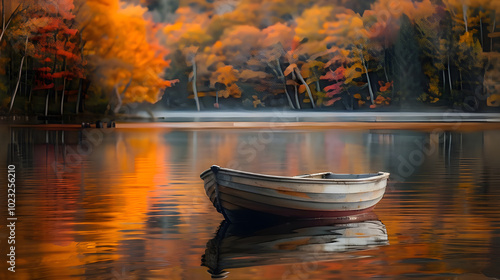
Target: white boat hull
[[234, 192]]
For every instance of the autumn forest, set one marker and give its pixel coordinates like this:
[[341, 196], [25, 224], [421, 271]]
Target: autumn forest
[[65, 57]]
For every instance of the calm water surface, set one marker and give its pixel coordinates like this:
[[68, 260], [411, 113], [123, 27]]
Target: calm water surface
[[129, 204]]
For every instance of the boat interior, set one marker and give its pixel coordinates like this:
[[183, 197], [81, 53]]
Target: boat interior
[[329, 175]]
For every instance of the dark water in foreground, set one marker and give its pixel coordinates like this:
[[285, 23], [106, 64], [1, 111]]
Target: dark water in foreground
[[129, 204]]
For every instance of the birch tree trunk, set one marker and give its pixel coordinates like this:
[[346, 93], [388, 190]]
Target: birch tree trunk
[[464, 12], [54, 70], [195, 90], [26, 77], [296, 91], [283, 80], [80, 83], [80, 86], [449, 75], [217, 98], [297, 72], [119, 96], [47, 102], [385, 63], [368, 79], [19, 76], [63, 89]]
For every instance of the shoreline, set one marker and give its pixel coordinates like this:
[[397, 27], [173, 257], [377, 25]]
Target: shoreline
[[419, 126], [425, 121]]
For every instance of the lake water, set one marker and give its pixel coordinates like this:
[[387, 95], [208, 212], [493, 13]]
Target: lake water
[[129, 204]]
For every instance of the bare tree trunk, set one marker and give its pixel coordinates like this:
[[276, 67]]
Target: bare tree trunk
[[119, 96], [464, 12], [17, 84], [449, 75], [80, 86], [63, 89], [54, 67], [296, 91], [26, 78], [385, 65], [19, 77], [47, 102], [195, 90], [297, 72], [217, 98], [1, 34], [283, 79], [297, 96], [368, 79], [80, 83]]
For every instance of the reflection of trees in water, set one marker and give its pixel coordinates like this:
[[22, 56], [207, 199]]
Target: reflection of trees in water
[[144, 184], [101, 199], [280, 152]]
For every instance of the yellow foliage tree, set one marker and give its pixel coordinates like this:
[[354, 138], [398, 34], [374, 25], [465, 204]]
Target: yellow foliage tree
[[349, 34], [189, 29], [311, 21], [226, 75], [188, 35]]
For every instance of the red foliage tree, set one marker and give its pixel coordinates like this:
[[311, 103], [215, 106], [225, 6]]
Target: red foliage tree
[[57, 52]]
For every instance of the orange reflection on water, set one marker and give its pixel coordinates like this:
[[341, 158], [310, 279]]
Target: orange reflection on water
[[136, 206]]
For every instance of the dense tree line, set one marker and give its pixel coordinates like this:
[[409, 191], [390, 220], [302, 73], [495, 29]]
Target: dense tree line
[[99, 53], [343, 55]]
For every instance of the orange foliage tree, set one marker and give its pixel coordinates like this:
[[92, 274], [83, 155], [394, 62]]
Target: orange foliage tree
[[123, 51], [275, 40], [318, 51]]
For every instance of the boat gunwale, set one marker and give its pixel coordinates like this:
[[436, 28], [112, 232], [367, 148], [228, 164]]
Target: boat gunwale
[[276, 178]]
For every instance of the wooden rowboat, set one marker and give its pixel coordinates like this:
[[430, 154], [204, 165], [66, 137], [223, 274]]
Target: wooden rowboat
[[240, 195]]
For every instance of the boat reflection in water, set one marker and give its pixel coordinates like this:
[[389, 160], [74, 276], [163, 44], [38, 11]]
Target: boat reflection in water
[[243, 245]]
